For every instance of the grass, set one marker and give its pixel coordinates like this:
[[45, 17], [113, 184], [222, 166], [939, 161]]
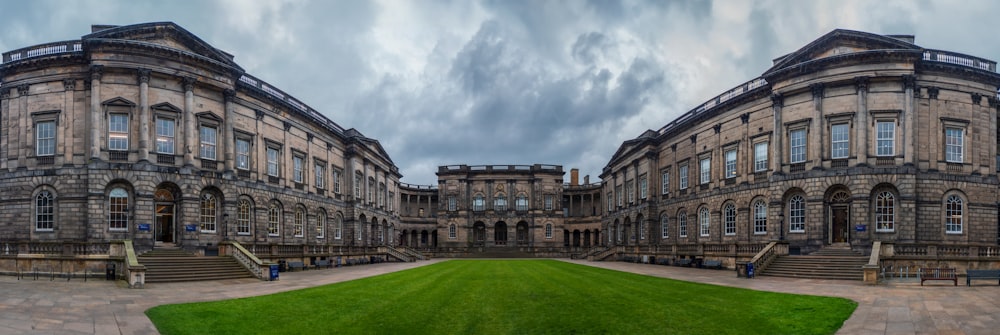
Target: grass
[[510, 297]]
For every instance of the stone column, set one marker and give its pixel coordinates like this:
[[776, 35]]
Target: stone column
[[819, 127], [777, 148], [863, 128], [144, 115], [228, 139], [24, 146], [909, 122], [994, 105], [4, 119], [190, 131], [69, 86], [95, 111]]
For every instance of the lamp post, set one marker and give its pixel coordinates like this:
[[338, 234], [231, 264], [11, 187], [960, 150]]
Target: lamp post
[[781, 223]]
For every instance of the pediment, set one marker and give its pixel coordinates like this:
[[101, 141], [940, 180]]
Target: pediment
[[166, 34], [839, 42]]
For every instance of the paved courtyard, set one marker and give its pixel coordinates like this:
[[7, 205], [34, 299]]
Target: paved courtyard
[[102, 307]]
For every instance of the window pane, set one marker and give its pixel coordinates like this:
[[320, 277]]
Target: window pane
[[683, 177], [165, 136], [760, 157], [886, 137], [706, 169], [118, 132], [272, 162], [796, 214], [208, 141], [797, 142], [243, 218], [297, 169], [953, 145], [839, 141], [118, 209], [705, 221], [759, 218], [44, 212], [730, 163], [729, 215], [45, 134]]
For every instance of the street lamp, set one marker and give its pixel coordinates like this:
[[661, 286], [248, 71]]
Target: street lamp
[[781, 223]]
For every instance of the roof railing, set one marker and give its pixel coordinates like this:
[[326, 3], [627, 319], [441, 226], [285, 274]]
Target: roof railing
[[960, 59], [42, 50]]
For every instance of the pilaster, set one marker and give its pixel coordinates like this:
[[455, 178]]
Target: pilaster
[[96, 71], [228, 140], [864, 128], [68, 115], [143, 78], [190, 132], [777, 149], [909, 121]]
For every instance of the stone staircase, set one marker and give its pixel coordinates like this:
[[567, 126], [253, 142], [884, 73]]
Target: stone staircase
[[831, 262], [176, 265]]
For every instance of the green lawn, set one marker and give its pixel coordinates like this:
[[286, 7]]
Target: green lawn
[[510, 297]]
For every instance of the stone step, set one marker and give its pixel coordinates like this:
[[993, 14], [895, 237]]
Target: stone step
[[173, 267]]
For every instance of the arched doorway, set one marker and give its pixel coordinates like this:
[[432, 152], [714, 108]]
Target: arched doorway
[[165, 203], [500, 233], [576, 238], [522, 233], [586, 238], [838, 214], [479, 233]]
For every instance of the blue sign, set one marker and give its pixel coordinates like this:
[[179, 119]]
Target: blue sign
[[860, 227], [190, 227], [143, 227]]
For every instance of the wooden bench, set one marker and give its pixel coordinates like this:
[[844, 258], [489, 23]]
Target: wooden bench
[[981, 274], [322, 263], [712, 264], [683, 262], [296, 265], [938, 274]]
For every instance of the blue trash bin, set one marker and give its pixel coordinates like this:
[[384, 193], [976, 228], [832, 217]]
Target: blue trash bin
[[274, 272], [749, 270]]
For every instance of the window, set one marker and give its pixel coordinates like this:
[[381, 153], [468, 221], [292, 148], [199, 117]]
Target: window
[[884, 212], [611, 205], [954, 141], [729, 219], [336, 181], [273, 220], [682, 224], [321, 224], [840, 141], [44, 211], [621, 196], [630, 192], [885, 142], [391, 200], [760, 157], [371, 189], [45, 135], [665, 182], [478, 203], [381, 194], [683, 177], [705, 220], [500, 203], [320, 170], [118, 132], [297, 168], [357, 185], [357, 228], [242, 154], [208, 142], [664, 226], [452, 231], [522, 203], [643, 187], [797, 214], [642, 230], [272, 162], [548, 230], [243, 215], [759, 217], [298, 222], [731, 163], [797, 145], [953, 215], [706, 170], [548, 202], [118, 203], [452, 203], [338, 227], [208, 213], [165, 130]]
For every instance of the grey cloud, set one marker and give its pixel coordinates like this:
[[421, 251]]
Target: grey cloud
[[588, 47]]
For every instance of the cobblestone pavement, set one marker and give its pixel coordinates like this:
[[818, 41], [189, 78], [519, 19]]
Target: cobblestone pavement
[[102, 307]]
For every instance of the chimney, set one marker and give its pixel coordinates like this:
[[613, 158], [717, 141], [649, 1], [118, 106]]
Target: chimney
[[586, 180], [574, 177]]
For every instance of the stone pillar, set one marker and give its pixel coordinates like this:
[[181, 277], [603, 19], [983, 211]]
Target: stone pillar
[[4, 120], [95, 111], [24, 147], [144, 115], [863, 127], [69, 87], [228, 139], [819, 127], [190, 131], [993, 103], [909, 122], [777, 148]]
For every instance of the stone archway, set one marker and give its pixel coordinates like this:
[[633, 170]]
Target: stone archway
[[165, 207], [838, 214], [500, 233]]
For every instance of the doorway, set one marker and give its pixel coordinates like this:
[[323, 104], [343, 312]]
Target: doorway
[[164, 223], [839, 225]]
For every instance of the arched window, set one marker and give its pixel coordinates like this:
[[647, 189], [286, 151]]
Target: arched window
[[548, 230], [298, 221], [500, 203], [208, 213], [797, 214], [478, 204], [321, 224], [243, 215], [664, 226], [620, 231], [452, 231], [759, 217], [44, 211], [885, 212], [358, 227], [682, 224], [274, 220], [953, 214], [729, 218], [705, 220], [118, 203], [338, 226], [642, 229]]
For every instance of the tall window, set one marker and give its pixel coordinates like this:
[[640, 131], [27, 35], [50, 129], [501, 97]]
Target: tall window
[[358, 229], [44, 211], [165, 136], [683, 176], [371, 189], [729, 218], [500, 203], [320, 170], [336, 181], [706, 170], [885, 212], [642, 230], [643, 187], [797, 214], [298, 222], [118, 132], [452, 203], [548, 202], [243, 214], [357, 185], [840, 141], [338, 227], [760, 157], [664, 226], [208, 142], [705, 220], [620, 194], [208, 213], [759, 217], [953, 215], [611, 204], [321, 225], [522, 203], [273, 220], [45, 138], [381, 194], [452, 231], [478, 203], [885, 142], [682, 224], [629, 191], [118, 209], [665, 182], [297, 168], [954, 141], [242, 154], [731, 163], [548, 230], [272, 162], [391, 199], [797, 145]]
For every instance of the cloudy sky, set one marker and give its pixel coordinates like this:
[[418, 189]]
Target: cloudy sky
[[509, 82]]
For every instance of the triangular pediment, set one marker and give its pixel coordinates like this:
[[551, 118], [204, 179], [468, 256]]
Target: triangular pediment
[[839, 42], [166, 34]]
